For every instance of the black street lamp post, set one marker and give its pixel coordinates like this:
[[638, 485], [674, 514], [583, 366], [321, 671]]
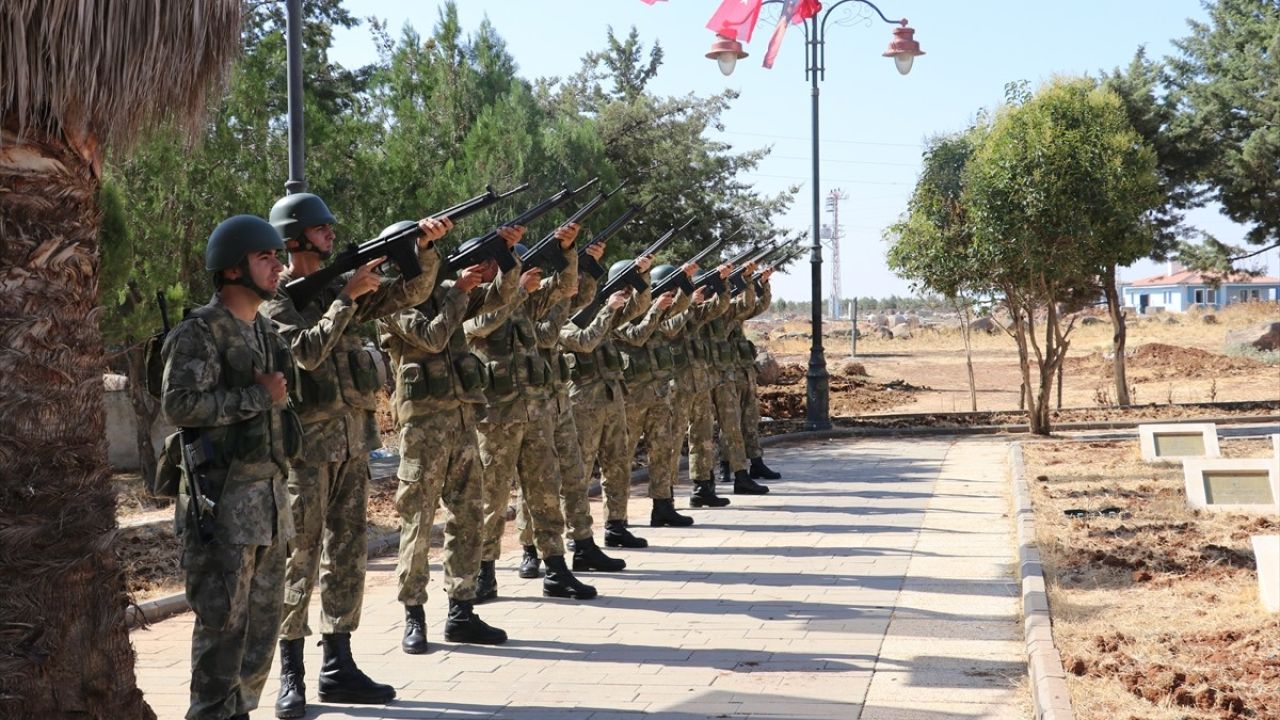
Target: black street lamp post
[[903, 49], [293, 50]]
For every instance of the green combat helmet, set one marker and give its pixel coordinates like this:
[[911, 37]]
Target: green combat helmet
[[662, 272], [230, 244], [618, 268], [292, 214]]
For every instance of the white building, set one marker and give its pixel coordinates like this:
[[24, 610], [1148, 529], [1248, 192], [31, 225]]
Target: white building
[[1179, 289]]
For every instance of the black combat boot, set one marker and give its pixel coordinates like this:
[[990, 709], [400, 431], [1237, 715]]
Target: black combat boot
[[664, 513], [464, 626], [530, 567], [588, 556], [616, 534], [559, 582], [292, 702], [342, 682], [704, 495], [415, 630], [744, 485], [760, 471], [486, 583], [725, 475]]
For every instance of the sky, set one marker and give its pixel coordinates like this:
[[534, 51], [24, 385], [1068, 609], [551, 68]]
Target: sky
[[873, 121]]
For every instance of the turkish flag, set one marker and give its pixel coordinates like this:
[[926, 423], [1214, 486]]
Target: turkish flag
[[793, 12], [736, 19]]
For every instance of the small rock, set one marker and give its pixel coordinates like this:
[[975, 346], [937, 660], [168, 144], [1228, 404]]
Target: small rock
[[1265, 337]]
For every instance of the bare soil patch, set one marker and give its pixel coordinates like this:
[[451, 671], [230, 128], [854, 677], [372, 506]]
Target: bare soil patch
[[1154, 605], [852, 393]]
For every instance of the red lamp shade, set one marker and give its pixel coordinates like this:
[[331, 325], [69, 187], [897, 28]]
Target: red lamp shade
[[727, 52], [903, 48]]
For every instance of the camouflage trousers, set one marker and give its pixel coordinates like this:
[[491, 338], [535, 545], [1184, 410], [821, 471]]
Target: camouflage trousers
[[694, 416], [729, 419], [329, 501], [573, 480], [649, 414], [749, 399], [520, 450], [439, 464], [234, 591], [602, 434]]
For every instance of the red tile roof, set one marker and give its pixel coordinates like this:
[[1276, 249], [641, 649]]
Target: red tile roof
[[1195, 277]]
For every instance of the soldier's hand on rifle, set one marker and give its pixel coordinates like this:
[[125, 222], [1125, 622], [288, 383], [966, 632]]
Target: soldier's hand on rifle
[[275, 384], [665, 300], [749, 269], [364, 280], [432, 230], [700, 295], [689, 269], [596, 250], [764, 276], [643, 263], [725, 269], [619, 298], [531, 278], [470, 278], [512, 234], [567, 234]]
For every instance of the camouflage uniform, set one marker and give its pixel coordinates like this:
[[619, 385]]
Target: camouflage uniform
[[725, 392], [600, 409], [439, 393], [648, 367], [695, 383], [515, 436], [329, 483], [233, 582], [748, 395], [554, 334]]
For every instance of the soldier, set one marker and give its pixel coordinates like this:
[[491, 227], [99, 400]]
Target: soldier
[[439, 389], [648, 373], [515, 438], [724, 393], [224, 383], [329, 483], [553, 335], [693, 383], [748, 394]]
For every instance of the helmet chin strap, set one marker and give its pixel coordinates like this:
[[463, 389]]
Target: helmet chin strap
[[305, 245], [246, 279]]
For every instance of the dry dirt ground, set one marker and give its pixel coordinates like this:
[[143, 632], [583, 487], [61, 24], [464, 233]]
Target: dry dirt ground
[[1155, 606], [1172, 359]]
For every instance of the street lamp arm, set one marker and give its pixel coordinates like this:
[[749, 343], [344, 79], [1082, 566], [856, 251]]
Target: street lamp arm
[[833, 6]]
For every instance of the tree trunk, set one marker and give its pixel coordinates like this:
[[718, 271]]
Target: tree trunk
[[145, 410], [966, 332], [1118, 335], [64, 644]]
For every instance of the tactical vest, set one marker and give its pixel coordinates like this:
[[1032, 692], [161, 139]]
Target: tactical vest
[[603, 363], [512, 359], [430, 383], [347, 378], [274, 436]]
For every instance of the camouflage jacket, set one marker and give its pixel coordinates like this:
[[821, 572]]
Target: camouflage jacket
[[435, 372], [210, 359], [648, 362], [596, 376], [339, 377], [744, 351]]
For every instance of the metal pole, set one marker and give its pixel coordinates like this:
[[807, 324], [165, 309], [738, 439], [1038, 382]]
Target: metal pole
[[853, 328], [293, 50], [818, 382]]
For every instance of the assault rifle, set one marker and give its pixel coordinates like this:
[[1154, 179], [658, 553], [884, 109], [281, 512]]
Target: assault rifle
[[738, 283], [678, 280], [629, 277], [711, 278], [197, 452], [400, 248], [795, 252], [588, 263], [546, 254], [492, 246]]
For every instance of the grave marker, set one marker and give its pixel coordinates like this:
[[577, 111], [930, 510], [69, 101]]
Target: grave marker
[[1266, 548], [1249, 485], [1168, 443]]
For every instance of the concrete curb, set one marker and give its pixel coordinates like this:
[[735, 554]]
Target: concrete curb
[[1044, 663]]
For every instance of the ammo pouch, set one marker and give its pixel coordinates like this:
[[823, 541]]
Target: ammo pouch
[[364, 371], [168, 468], [471, 373], [611, 357], [697, 351], [503, 380], [663, 358], [636, 365], [724, 352], [679, 356], [413, 383], [563, 360], [539, 373], [746, 351], [582, 366], [316, 394]]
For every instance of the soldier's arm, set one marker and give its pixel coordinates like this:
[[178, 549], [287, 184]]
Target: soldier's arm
[[546, 332], [638, 304], [764, 300], [576, 339], [398, 293], [587, 289], [638, 333], [484, 323], [677, 317], [428, 333], [310, 344], [192, 369]]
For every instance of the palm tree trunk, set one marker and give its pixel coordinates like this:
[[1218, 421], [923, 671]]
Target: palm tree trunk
[[64, 645]]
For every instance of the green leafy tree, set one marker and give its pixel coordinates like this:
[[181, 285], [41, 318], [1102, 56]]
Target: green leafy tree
[[1056, 191]]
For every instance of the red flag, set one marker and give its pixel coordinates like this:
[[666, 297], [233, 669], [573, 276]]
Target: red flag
[[736, 19], [793, 12], [650, 2]]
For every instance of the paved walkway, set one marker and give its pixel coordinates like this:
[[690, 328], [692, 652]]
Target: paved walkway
[[875, 582]]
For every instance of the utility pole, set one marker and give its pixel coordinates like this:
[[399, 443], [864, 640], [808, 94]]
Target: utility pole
[[833, 233]]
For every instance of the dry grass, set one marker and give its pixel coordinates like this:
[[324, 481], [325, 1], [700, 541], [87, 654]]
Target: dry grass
[[1155, 606]]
